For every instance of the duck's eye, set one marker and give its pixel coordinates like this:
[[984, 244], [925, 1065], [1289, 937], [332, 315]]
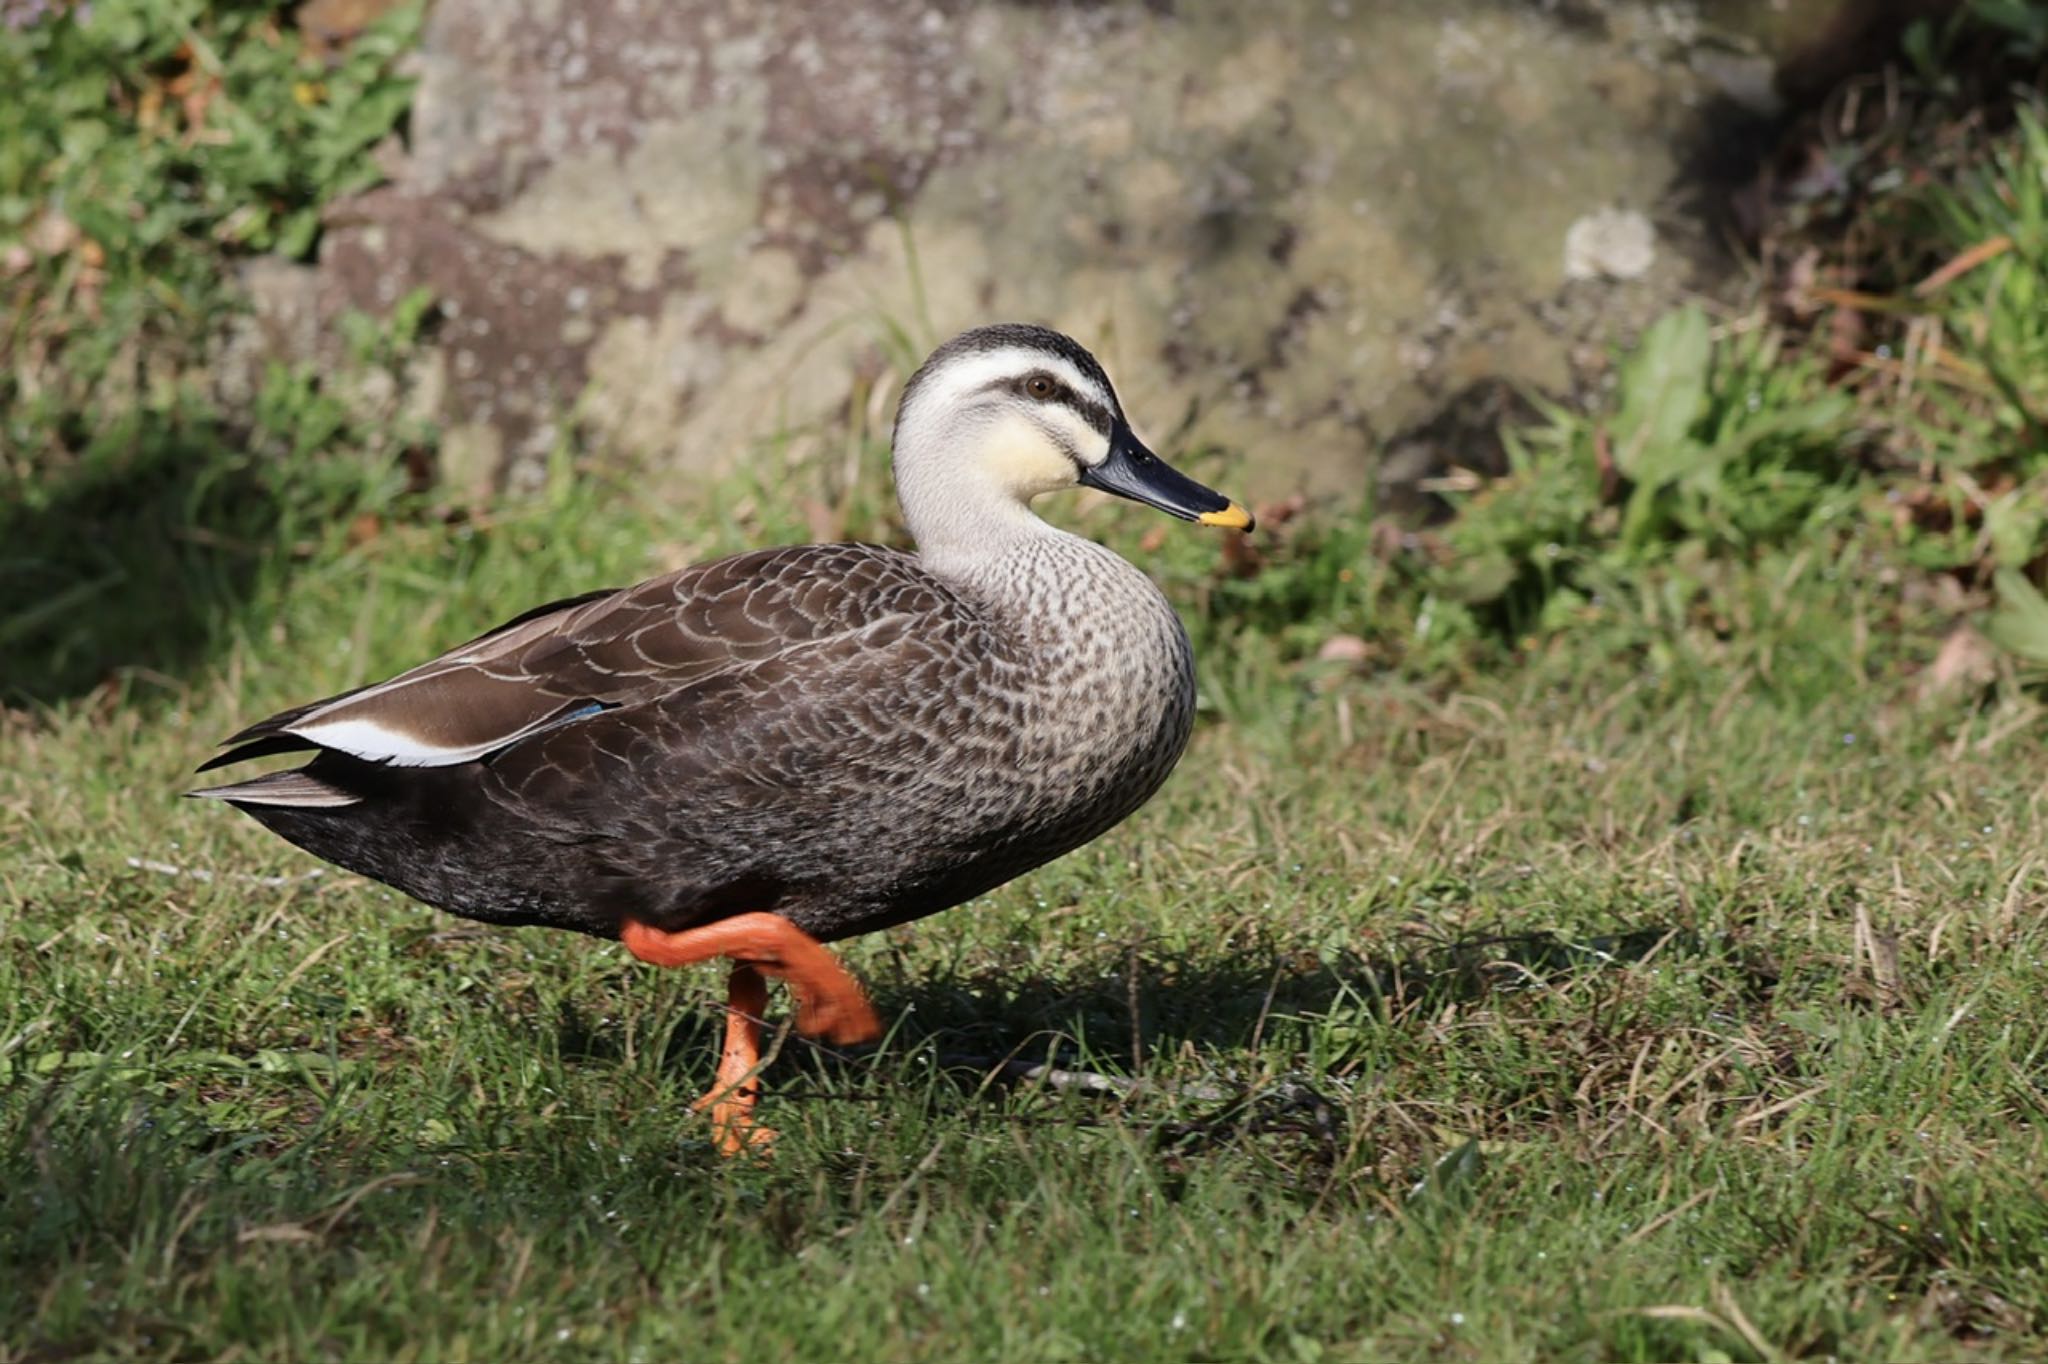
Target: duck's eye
[[1040, 386]]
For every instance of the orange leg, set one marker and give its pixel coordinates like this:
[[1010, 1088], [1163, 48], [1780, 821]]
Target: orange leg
[[738, 1086], [829, 1002]]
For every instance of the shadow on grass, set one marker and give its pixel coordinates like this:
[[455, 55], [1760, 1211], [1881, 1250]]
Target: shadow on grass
[[131, 562], [963, 1021], [1145, 1004], [93, 1167], [1188, 1049], [1132, 1028]]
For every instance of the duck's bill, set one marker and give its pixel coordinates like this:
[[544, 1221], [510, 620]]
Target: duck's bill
[[1133, 471]]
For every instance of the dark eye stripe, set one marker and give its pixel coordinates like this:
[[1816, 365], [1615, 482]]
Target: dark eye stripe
[[1095, 414], [1090, 411]]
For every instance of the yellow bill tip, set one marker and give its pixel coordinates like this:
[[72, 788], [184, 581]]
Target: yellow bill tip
[[1232, 517]]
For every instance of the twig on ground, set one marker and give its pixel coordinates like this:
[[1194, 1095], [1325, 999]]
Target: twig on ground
[[1081, 1081], [202, 875]]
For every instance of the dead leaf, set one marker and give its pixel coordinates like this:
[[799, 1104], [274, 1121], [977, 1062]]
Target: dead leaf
[[329, 26], [1847, 330], [1273, 515], [288, 1233], [1969, 260], [1965, 663], [366, 527], [51, 234], [1241, 558], [821, 521], [1343, 649]]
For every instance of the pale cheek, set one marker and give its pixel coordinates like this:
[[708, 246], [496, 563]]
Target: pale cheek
[[1023, 461]]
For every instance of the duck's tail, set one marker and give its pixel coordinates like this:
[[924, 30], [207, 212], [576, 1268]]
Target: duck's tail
[[298, 789]]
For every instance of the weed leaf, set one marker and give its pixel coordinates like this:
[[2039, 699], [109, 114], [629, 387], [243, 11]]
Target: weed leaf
[[2019, 625]]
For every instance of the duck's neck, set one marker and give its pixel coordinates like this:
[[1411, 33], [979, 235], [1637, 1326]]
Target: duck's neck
[[975, 541], [1048, 584]]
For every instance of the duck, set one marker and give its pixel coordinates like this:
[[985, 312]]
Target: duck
[[750, 758]]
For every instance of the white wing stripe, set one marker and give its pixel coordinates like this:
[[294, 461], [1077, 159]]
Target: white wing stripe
[[372, 742]]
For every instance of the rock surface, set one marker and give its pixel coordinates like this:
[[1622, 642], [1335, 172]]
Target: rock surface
[[677, 229]]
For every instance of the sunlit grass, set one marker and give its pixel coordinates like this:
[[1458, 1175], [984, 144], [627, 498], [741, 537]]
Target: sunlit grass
[[1655, 994]]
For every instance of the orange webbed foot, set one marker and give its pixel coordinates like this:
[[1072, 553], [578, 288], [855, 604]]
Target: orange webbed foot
[[734, 1129]]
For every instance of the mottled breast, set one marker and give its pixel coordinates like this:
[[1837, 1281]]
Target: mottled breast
[[840, 736]]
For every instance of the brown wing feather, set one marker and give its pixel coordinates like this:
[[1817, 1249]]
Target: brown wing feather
[[612, 649]]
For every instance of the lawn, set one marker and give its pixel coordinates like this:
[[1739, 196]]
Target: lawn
[[1650, 993]]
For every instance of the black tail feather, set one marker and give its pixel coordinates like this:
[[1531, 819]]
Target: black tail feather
[[270, 725], [293, 789], [261, 748]]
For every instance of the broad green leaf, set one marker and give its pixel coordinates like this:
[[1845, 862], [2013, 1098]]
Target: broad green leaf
[[1481, 578], [2013, 523], [2019, 624], [1663, 388]]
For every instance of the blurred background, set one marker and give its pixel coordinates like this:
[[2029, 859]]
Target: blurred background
[[1341, 247], [1602, 913]]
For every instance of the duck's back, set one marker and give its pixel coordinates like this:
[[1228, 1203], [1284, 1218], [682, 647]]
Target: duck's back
[[827, 731]]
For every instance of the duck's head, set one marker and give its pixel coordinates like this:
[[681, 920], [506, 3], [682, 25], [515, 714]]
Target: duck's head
[[1000, 415]]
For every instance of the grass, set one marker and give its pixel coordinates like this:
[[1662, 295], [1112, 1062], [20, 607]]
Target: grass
[[1672, 992], [1610, 925]]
